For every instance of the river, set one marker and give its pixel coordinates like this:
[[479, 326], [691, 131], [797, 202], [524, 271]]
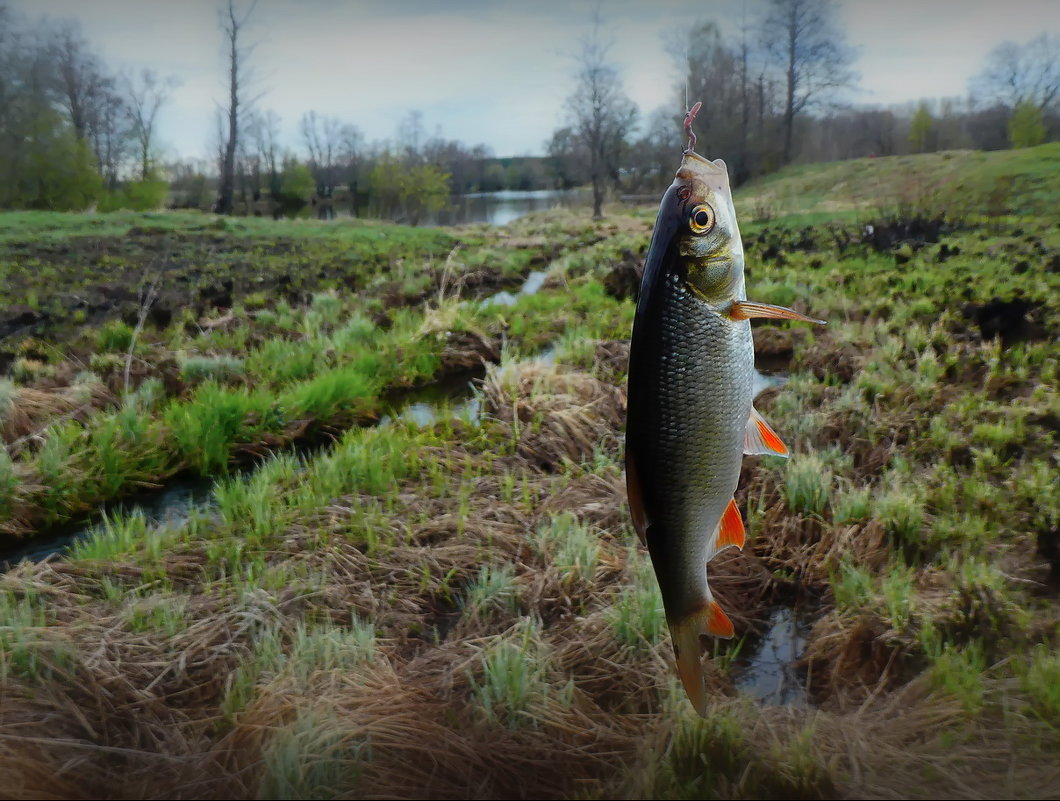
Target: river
[[495, 208]]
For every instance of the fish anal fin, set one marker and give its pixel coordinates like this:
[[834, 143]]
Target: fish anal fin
[[718, 623], [636, 500], [688, 648], [730, 530], [746, 309], [759, 437]]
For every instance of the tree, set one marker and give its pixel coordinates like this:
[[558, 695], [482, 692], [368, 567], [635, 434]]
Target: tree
[[601, 113], [803, 39], [324, 139], [263, 131], [1015, 74], [145, 94], [1026, 128], [236, 54], [566, 160], [654, 156], [920, 129], [715, 75], [90, 98]]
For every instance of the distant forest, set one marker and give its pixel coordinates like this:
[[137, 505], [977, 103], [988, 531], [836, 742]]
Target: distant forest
[[76, 134]]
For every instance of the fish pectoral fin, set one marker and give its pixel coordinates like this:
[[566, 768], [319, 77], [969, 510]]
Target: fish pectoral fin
[[636, 500], [759, 437], [688, 648], [746, 309]]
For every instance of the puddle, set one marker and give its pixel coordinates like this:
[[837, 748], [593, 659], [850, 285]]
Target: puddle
[[765, 668], [763, 381], [532, 284], [454, 397]]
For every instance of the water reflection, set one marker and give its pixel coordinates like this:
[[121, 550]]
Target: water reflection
[[495, 208], [171, 505], [532, 284], [767, 672]]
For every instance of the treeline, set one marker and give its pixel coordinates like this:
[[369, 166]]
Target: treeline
[[72, 132], [75, 134], [334, 170], [772, 96]]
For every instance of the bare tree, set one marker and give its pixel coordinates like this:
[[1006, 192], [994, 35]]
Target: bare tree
[[145, 94], [90, 98], [803, 38], [1027, 73], [601, 113], [324, 139], [264, 132], [716, 75], [236, 54]]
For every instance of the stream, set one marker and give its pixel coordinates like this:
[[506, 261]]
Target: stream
[[765, 671]]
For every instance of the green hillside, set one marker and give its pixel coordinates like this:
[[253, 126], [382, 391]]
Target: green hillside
[[957, 182]]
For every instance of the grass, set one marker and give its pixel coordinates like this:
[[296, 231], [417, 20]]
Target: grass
[[961, 181], [459, 607]]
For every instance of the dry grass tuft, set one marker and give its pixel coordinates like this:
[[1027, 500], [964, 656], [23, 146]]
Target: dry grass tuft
[[25, 412], [554, 414]]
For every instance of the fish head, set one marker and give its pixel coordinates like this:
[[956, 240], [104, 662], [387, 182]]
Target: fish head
[[708, 238]]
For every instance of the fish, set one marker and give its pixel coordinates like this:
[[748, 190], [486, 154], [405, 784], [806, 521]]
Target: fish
[[690, 417]]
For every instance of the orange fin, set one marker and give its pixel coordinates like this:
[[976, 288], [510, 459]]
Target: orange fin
[[636, 500], [745, 310], [730, 529], [759, 437], [686, 633], [719, 624]]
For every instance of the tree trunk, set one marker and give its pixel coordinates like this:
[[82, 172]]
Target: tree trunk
[[789, 105], [598, 182], [228, 168]]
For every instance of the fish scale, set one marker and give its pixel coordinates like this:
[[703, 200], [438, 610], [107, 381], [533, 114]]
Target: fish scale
[[703, 398], [690, 418]]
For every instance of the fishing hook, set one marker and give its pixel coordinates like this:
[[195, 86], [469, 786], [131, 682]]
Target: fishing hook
[[690, 117]]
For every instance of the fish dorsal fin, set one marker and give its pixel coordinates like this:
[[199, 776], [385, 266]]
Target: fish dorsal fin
[[759, 437], [730, 531]]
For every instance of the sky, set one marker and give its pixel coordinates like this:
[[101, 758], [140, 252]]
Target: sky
[[498, 73]]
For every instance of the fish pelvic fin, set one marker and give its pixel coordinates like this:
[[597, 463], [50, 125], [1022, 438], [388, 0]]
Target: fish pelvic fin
[[745, 310], [729, 532], [688, 648], [759, 437]]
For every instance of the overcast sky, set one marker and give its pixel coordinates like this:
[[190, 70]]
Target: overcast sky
[[498, 72]]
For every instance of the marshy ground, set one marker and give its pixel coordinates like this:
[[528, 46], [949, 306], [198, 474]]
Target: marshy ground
[[456, 606]]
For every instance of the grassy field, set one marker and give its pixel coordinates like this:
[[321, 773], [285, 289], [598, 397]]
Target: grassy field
[[459, 609]]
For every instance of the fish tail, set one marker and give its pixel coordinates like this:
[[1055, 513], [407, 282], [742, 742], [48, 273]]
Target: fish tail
[[686, 634]]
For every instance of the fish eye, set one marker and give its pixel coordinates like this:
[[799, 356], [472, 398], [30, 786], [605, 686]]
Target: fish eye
[[701, 220]]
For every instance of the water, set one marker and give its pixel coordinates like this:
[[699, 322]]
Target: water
[[766, 670], [501, 208], [763, 381], [453, 396], [532, 284], [495, 208], [171, 506]]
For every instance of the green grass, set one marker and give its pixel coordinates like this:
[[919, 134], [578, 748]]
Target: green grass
[[959, 182], [451, 589]]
